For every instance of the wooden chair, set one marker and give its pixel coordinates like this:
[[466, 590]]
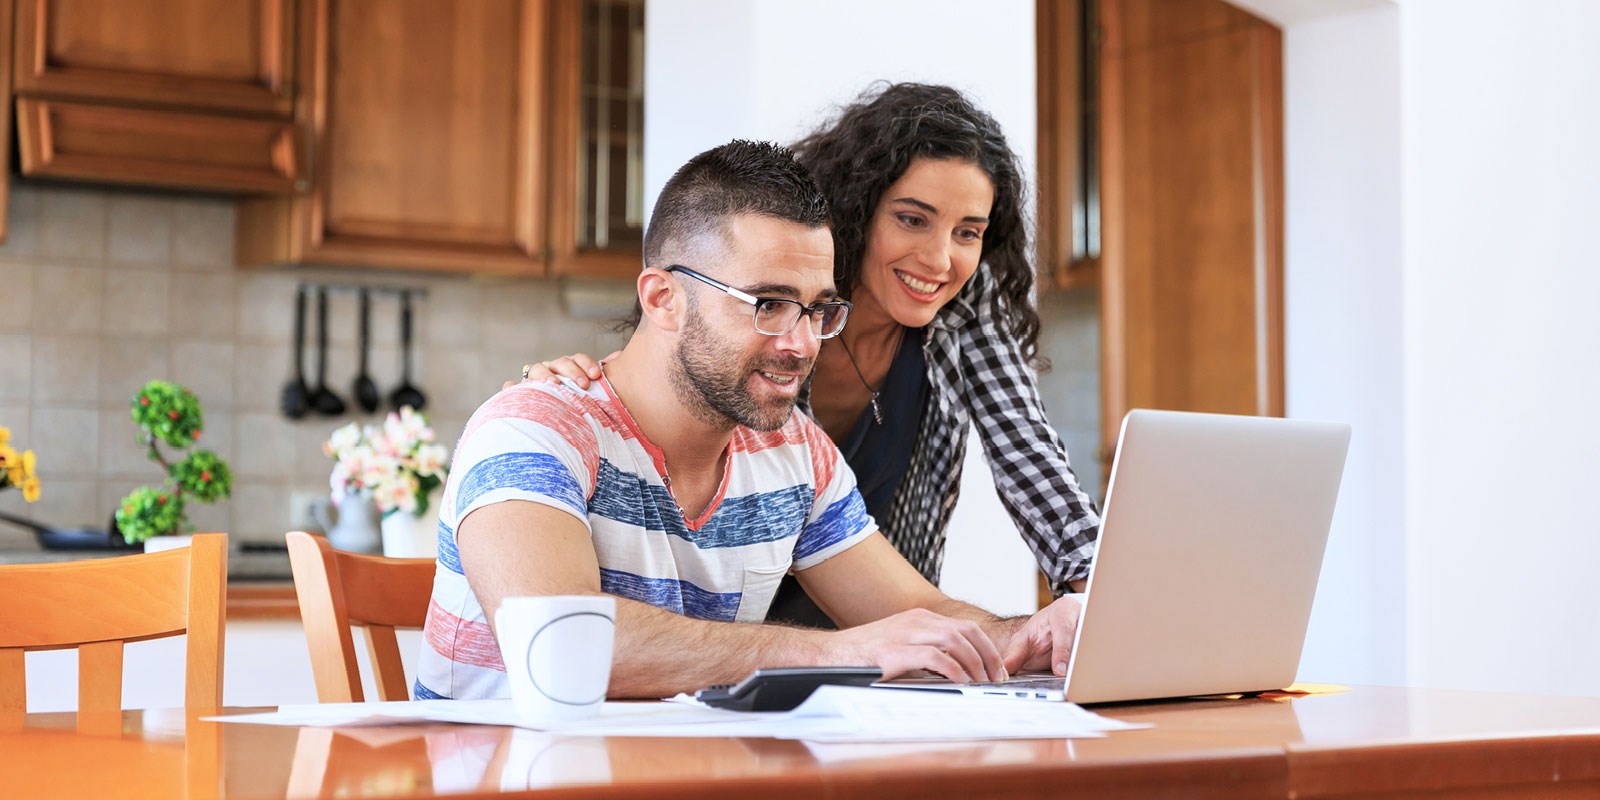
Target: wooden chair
[[338, 589], [96, 605]]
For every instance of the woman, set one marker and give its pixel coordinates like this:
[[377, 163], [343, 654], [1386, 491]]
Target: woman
[[931, 246]]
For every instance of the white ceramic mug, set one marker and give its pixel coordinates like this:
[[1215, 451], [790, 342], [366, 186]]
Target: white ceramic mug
[[557, 652]]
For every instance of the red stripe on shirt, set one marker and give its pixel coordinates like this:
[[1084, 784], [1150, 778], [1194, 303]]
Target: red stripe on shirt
[[462, 641]]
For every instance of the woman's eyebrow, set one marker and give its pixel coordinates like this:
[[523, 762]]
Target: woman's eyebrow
[[928, 207]]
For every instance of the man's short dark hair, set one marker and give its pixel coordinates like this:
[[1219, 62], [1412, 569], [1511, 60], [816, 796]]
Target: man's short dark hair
[[740, 177]]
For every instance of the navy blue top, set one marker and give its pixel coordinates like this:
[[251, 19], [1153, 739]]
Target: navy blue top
[[879, 454]]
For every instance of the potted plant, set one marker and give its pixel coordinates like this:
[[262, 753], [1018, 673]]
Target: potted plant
[[17, 469], [170, 414], [396, 466]]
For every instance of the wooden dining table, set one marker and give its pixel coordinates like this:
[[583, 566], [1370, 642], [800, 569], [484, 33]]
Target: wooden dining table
[[1364, 742]]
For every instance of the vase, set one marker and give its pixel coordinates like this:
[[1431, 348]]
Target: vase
[[410, 536], [355, 527], [156, 544]]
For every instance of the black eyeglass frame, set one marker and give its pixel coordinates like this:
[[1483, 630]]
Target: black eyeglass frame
[[811, 311]]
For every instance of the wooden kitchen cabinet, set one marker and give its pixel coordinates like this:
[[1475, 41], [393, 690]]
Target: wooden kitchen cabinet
[[182, 93], [428, 133], [5, 120]]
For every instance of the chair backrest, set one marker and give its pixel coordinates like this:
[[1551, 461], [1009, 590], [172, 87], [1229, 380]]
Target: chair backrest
[[97, 605], [337, 589]]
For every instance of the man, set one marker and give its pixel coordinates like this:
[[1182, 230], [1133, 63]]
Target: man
[[683, 484]]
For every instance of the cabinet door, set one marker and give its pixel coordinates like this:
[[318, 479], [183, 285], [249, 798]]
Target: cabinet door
[[427, 143], [217, 55], [5, 118], [1192, 210]]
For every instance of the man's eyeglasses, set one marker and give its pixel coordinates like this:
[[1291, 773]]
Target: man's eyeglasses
[[776, 316]]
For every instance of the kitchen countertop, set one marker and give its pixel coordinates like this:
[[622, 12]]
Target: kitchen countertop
[[247, 561]]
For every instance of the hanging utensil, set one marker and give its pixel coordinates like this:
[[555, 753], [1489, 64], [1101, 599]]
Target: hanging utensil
[[295, 402], [405, 394], [365, 390], [322, 398]]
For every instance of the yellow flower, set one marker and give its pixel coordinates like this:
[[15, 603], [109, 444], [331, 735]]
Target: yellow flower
[[8, 456], [30, 489], [30, 464], [5, 434], [14, 476]]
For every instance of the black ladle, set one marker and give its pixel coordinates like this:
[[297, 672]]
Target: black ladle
[[365, 390], [322, 398], [405, 394], [295, 401]]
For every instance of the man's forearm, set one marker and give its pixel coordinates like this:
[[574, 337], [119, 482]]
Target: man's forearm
[[659, 653]]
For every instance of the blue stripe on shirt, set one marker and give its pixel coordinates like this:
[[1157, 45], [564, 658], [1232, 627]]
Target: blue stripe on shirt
[[842, 520], [449, 555], [681, 597], [539, 473], [421, 692], [628, 499]]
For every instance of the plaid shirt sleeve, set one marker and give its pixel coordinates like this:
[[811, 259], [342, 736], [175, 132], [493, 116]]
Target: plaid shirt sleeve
[[1029, 461]]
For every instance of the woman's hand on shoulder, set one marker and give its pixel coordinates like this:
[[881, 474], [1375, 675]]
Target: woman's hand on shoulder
[[578, 368]]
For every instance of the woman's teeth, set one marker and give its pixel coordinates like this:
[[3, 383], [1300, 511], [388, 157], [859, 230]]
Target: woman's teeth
[[920, 287]]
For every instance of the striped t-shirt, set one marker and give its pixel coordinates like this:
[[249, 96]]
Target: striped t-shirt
[[787, 503]]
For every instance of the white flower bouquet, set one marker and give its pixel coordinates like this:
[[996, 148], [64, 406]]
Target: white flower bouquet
[[397, 465]]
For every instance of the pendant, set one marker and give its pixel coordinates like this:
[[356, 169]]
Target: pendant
[[877, 415]]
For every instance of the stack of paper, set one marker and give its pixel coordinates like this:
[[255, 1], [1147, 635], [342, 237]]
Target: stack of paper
[[831, 714]]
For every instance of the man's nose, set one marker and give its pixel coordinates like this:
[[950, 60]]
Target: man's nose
[[802, 339]]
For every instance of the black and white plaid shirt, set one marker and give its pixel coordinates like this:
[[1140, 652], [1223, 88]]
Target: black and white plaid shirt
[[977, 374]]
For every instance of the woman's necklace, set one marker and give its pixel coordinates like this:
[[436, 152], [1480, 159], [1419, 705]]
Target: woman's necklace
[[877, 413]]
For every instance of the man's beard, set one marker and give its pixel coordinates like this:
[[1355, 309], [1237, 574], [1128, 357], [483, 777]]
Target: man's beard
[[715, 383]]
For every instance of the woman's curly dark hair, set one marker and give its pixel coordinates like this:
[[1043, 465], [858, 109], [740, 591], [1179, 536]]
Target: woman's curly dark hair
[[856, 156]]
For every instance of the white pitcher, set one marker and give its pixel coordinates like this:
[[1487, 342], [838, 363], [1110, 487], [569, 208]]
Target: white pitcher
[[356, 527]]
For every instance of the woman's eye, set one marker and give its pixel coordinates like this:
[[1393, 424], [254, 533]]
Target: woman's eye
[[970, 235], [912, 221]]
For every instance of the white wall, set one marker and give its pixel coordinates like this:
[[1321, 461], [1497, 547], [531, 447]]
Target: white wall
[[1343, 292], [1502, 223], [722, 69]]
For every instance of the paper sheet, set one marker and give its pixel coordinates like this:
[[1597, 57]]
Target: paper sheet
[[831, 714]]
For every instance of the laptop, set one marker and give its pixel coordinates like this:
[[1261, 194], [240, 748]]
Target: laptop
[[1210, 547]]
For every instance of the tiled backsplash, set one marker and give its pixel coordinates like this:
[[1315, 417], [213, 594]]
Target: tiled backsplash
[[102, 290]]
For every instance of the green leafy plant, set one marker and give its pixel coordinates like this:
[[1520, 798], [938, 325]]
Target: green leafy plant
[[169, 413]]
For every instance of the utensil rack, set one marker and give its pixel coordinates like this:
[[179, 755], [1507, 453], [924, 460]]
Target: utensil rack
[[416, 292]]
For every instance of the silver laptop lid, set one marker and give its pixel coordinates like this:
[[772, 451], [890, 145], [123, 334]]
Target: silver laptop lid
[[1208, 557]]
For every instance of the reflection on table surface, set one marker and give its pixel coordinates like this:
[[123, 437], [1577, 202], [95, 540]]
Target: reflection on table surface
[[166, 754]]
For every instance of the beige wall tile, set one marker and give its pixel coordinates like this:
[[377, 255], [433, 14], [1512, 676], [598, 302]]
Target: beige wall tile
[[16, 297], [259, 374], [309, 462], [202, 304], [123, 451], [66, 370], [205, 366], [139, 229], [203, 232], [263, 447], [266, 308], [260, 510], [211, 517], [126, 365], [456, 382], [72, 224], [68, 503], [136, 302], [22, 227], [510, 314], [217, 435], [68, 440], [454, 317], [67, 299], [16, 366], [19, 419]]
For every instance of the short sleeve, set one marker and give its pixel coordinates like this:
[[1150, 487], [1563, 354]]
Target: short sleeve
[[838, 518]]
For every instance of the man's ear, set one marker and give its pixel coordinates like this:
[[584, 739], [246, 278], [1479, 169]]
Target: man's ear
[[661, 299]]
